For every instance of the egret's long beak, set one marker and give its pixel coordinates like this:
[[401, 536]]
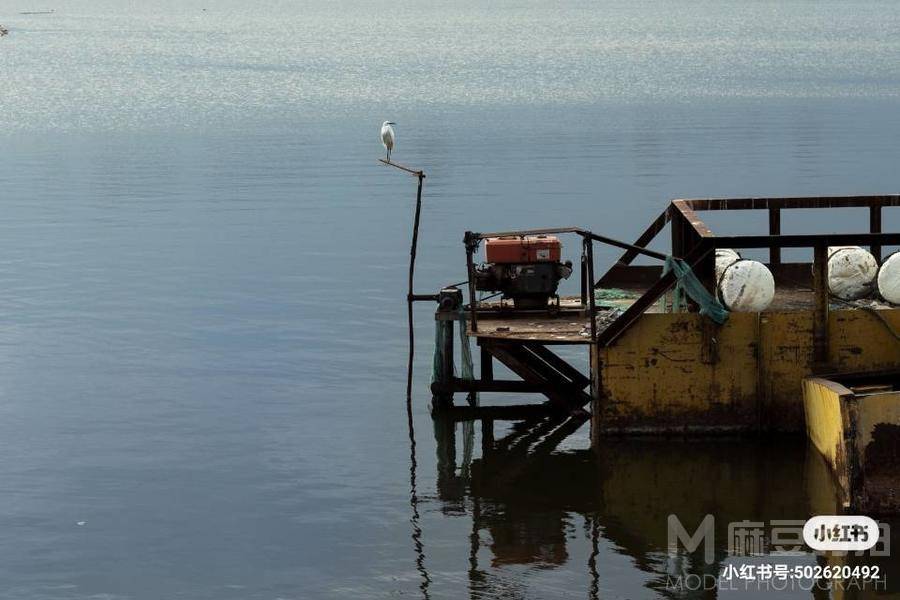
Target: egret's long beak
[[391, 123]]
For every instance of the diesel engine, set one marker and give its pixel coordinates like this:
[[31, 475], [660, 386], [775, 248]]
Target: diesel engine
[[526, 269]]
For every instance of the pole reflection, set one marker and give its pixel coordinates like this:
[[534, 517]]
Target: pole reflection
[[418, 544]]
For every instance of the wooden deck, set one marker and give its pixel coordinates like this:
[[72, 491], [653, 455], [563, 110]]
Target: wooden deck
[[569, 323], [560, 329]]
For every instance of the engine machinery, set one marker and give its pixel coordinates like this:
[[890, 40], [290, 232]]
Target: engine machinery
[[526, 269]]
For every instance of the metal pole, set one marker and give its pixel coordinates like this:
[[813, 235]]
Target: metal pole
[[584, 283], [875, 227], [409, 295], [774, 229], [470, 241], [589, 248], [820, 313]]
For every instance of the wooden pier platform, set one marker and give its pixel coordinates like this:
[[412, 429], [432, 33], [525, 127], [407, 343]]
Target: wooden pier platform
[[565, 322], [655, 368]]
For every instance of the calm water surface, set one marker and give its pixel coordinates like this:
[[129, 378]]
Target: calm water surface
[[202, 343]]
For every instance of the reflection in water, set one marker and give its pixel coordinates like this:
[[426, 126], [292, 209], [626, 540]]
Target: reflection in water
[[524, 496], [414, 503]]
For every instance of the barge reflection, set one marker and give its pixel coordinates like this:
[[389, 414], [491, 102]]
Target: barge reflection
[[531, 504]]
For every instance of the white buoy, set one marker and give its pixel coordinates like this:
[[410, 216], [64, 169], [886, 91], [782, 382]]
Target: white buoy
[[724, 257], [743, 285], [889, 279], [851, 272]]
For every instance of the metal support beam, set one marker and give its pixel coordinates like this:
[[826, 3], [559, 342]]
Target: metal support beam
[[633, 312], [643, 241], [592, 312], [649, 234], [774, 229], [875, 227], [471, 243], [487, 436], [677, 220], [789, 203], [582, 232], [496, 385], [487, 365], [584, 282], [536, 371], [516, 412], [820, 312], [808, 240], [567, 370]]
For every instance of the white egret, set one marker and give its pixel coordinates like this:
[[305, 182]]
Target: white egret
[[387, 137]]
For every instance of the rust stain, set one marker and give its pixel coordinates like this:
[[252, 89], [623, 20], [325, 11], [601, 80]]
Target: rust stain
[[659, 374], [881, 470]]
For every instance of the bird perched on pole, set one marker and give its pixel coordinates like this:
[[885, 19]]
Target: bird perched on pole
[[387, 137]]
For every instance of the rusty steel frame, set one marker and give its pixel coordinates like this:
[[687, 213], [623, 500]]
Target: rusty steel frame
[[687, 209], [695, 243], [691, 237]]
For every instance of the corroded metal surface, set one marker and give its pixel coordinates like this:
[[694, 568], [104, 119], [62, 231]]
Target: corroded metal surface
[[856, 429], [660, 375], [877, 435]]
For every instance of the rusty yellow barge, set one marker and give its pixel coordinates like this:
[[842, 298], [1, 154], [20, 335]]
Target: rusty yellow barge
[[659, 368]]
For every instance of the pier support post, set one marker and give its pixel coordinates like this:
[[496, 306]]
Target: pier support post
[[487, 436], [487, 365], [597, 407], [449, 305], [442, 386]]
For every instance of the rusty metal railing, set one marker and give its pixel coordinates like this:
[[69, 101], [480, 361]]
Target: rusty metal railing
[[473, 239], [692, 238]]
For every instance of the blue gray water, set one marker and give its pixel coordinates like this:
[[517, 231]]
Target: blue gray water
[[202, 276]]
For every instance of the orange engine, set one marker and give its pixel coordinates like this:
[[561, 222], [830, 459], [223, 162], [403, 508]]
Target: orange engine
[[524, 268], [523, 249]]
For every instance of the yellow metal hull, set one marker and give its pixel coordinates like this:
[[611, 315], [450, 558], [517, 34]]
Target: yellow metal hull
[[857, 432], [679, 372]]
